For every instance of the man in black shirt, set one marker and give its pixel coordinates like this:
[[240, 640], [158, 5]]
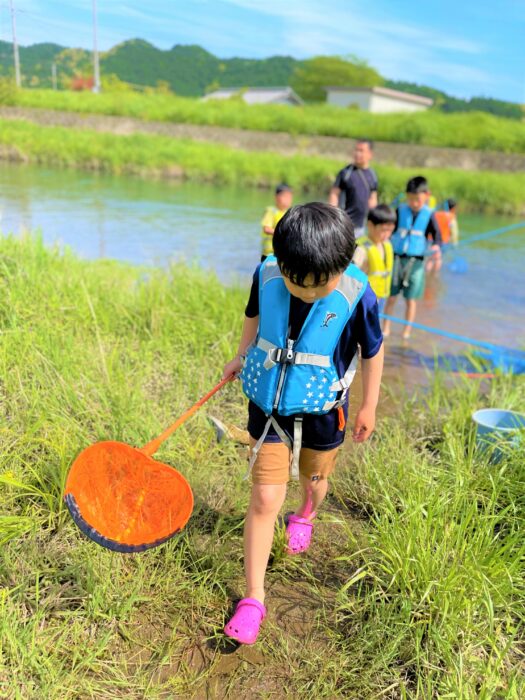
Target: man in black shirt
[[355, 187]]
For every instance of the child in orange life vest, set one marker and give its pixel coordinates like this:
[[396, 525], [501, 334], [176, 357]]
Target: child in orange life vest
[[272, 216], [448, 222], [309, 310], [448, 227], [374, 253]]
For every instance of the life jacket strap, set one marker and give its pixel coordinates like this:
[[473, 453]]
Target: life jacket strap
[[297, 444], [343, 385], [404, 232], [294, 446], [276, 355], [256, 448]]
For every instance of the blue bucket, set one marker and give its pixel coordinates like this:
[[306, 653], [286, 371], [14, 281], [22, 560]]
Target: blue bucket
[[499, 430]]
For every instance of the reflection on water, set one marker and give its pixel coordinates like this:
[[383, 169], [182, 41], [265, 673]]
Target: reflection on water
[[479, 293], [140, 221]]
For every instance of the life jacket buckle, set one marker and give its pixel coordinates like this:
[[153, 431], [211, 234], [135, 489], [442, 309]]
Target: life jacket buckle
[[285, 356]]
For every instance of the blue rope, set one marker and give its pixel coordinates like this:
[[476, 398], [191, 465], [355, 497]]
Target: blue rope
[[490, 234], [500, 349]]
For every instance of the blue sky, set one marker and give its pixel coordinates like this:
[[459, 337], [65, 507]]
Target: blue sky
[[465, 48]]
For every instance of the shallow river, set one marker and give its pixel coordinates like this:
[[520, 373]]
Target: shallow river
[[480, 292]]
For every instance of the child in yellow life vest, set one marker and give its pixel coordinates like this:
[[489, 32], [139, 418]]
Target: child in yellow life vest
[[374, 253], [272, 216]]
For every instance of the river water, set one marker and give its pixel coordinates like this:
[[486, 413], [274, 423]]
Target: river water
[[480, 292]]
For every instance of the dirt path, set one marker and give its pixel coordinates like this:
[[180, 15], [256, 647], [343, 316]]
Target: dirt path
[[403, 155]]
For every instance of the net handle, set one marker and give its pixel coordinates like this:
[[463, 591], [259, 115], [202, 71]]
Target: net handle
[[151, 447]]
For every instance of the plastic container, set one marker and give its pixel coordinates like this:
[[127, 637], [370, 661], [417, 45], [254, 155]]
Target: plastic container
[[498, 430]]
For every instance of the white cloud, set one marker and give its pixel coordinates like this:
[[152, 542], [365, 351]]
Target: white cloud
[[303, 28], [398, 50]]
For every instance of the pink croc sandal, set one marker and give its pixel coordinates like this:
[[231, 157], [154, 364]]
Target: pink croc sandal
[[246, 621], [299, 533]]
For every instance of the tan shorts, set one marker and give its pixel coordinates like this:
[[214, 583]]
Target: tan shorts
[[272, 465]]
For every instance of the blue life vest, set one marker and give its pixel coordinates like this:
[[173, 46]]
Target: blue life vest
[[299, 376], [409, 238]]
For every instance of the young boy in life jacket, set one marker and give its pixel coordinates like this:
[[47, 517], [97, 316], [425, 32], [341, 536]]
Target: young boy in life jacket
[[374, 254], [308, 312], [416, 236], [272, 216]]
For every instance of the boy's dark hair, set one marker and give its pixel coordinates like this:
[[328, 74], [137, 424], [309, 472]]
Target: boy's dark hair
[[382, 214], [283, 187], [314, 239], [368, 141], [451, 203], [417, 185]]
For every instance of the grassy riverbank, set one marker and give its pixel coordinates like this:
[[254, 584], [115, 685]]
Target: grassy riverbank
[[151, 155], [474, 130], [414, 588]]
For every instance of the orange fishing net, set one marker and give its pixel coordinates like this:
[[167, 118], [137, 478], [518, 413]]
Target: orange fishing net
[[123, 499]]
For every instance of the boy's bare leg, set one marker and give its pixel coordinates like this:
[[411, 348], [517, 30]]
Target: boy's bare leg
[[410, 316], [389, 308], [313, 494], [265, 503]]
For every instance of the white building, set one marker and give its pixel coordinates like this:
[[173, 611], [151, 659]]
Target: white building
[[377, 99], [258, 95]]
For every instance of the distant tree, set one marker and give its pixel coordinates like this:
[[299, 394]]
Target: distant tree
[[313, 75], [82, 82], [212, 87], [74, 61], [447, 103], [8, 91], [500, 108], [112, 83], [163, 88]]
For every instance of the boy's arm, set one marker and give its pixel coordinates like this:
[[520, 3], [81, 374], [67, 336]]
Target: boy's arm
[[361, 259], [335, 192], [365, 421], [372, 199], [249, 332], [434, 231], [333, 197], [267, 222], [454, 231]]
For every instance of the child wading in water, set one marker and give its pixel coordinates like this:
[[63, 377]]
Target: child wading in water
[[415, 225], [309, 310], [374, 254], [272, 216]]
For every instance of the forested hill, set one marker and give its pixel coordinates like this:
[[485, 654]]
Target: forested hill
[[191, 71]]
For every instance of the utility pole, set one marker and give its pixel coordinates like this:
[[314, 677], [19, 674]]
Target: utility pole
[[15, 45], [54, 75], [96, 65]]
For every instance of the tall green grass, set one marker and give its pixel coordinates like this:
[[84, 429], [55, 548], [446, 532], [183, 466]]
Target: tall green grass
[[414, 587], [434, 605], [474, 130], [150, 155]]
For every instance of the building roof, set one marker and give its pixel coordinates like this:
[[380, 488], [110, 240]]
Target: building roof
[[385, 92], [256, 95]]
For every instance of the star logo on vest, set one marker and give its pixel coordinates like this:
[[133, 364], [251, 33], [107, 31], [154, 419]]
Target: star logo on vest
[[329, 317]]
